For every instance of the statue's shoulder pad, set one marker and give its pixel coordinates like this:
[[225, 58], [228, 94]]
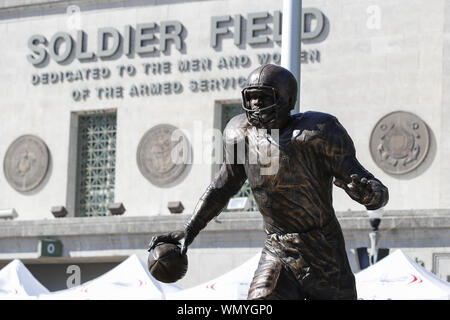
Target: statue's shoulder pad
[[311, 124]]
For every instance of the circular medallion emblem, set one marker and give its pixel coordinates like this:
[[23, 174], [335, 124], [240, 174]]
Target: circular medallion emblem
[[162, 154], [26, 163], [399, 142]]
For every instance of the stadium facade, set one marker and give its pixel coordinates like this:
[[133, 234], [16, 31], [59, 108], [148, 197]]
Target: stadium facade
[[92, 92]]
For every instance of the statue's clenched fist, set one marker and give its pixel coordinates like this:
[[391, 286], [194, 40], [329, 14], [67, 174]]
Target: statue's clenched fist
[[369, 192]]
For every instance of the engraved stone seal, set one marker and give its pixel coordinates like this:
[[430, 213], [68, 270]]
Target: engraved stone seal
[[26, 163], [163, 154], [399, 142]]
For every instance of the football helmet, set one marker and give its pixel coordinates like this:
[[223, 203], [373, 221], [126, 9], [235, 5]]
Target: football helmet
[[269, 95]]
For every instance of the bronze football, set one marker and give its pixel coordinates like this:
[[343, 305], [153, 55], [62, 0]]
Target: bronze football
[[166, 263]]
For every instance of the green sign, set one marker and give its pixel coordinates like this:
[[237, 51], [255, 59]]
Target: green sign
[[50, 248]]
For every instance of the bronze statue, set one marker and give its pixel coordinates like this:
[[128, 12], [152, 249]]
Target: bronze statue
[[304, 255]]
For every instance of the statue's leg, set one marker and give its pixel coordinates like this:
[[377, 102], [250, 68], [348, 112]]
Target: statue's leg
[[272, 281], [320, 289], [324, 285]]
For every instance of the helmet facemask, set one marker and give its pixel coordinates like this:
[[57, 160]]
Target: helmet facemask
[[263, 107]]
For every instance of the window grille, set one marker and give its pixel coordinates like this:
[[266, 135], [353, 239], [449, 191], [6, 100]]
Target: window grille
[[96, 163]]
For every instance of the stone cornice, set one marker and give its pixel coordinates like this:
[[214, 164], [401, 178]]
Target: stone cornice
[[19, 7], [227, 221]]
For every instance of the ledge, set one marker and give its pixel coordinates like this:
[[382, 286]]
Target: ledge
[[227, 221], [112, 237], [12, 5], [17, 8]]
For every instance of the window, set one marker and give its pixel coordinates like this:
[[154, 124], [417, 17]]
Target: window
[[96, 163], [228, 112]]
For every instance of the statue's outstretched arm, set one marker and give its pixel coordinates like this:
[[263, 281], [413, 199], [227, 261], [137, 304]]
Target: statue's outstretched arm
[[226, 183], [349, 174]]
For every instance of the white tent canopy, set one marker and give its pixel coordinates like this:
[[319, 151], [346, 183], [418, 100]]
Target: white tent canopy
[[398, 277], [17, 282], [130, 280], [233, 285], [395, 277]]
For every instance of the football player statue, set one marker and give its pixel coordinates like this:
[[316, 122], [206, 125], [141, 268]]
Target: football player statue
[[304, 256]]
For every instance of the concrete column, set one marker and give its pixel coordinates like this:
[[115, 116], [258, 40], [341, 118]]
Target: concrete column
[[291, 37]]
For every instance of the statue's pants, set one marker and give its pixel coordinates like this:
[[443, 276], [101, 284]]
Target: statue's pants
[[309, 265]]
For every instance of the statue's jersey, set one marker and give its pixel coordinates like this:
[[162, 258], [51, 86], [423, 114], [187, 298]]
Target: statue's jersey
[[291, 171]]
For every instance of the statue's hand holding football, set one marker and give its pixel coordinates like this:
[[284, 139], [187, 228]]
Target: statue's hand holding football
[[177, 237], [182, 238]]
